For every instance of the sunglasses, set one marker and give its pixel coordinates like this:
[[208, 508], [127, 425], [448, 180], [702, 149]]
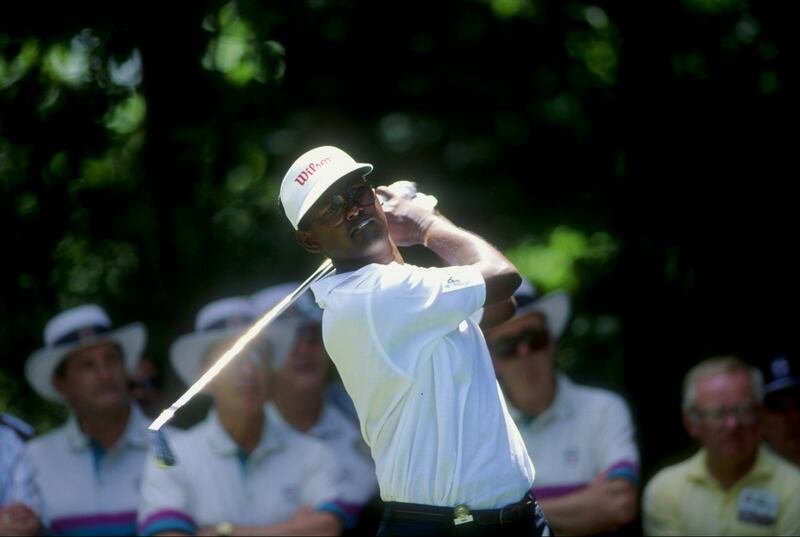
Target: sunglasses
[[333, 213], [535, 338]]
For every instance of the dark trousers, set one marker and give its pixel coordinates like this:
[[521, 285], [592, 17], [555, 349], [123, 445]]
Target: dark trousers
[[522, 518]]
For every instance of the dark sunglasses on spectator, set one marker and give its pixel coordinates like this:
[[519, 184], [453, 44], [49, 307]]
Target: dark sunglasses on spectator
[[535, 338]]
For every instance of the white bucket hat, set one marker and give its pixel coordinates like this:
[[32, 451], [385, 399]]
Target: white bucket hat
[[311, 175], [555, 306], [220, 320], [304, 307], [75, 329]]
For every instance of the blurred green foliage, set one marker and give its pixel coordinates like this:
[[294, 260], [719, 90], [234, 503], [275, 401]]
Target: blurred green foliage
[[141, 152]]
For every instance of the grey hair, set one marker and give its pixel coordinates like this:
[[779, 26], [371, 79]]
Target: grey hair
[[715, 366]]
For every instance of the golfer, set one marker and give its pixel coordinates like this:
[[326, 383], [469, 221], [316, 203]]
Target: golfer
[[449, 459]]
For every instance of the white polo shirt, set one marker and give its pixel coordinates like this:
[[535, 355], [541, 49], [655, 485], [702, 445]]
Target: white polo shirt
[[16, 473], [420, 376], [212, 482], [356, 468], [86, 491], [584, 432]]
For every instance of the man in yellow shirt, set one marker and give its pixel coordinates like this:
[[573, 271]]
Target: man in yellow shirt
[[733, 485]]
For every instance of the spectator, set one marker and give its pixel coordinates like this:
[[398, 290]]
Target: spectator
[[239, 472], [303, 401], [581, 439], [145, 385], [88, 470], [732, 486], [19, 497], [781, 429]]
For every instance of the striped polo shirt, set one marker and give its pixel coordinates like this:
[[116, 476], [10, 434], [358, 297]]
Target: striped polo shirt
[[685, 499], [584, 432], [213, 481], [85, 489]]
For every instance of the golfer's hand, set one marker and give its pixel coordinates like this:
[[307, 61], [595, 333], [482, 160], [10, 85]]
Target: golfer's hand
[[408, 220]]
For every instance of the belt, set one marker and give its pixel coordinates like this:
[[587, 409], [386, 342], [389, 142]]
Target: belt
[[510, 514]]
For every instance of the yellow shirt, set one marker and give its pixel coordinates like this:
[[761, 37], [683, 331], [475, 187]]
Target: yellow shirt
[[684, 499]]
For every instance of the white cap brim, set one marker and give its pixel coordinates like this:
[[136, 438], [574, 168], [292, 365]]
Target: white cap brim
[[554, 306], [188, 352], [319, 188]]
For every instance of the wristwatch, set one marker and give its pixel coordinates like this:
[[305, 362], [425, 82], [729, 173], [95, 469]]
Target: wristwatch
[[225, 529]]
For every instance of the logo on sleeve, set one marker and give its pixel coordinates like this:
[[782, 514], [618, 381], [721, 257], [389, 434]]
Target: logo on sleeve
[[452, 283]]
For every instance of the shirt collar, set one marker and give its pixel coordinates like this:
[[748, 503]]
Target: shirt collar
[[561, 407], [135, 434], [764, 466], [327, 427], [563, 403], [273, 436], [322, 288]]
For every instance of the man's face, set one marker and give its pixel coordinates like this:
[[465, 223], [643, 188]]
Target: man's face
[[307, 365], [726, 419], [347, 223], [782, 423], [94, 379], [523, 351], [242, 385]]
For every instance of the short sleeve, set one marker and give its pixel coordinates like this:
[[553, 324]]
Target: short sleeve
[[322, 487], [23, 488], [163, 499], [434, 301], [659, 516], [18, 480], [618, 454]]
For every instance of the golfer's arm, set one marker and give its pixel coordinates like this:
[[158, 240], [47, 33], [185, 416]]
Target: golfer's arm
[[457, 246], [497, 313]]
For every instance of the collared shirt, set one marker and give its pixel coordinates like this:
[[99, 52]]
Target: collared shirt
[[16, 473], [421, 378], [584, 432], [684, 499], [213, 481], [356, 469], [85, 490]]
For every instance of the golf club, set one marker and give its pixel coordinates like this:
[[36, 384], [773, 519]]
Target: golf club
[[164, 454]]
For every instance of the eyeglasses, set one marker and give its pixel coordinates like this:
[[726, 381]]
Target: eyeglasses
[[745, 414], [535, 338], [333, 214]]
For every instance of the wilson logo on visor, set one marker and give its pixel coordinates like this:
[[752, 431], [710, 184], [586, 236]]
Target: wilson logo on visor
[[303, 176]]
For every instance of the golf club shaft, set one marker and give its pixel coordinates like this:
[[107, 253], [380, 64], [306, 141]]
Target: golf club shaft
[[324, 269]]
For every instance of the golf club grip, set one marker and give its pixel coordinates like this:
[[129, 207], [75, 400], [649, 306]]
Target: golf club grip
[[324, 269]]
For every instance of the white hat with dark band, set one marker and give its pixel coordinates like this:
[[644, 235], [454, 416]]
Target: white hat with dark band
[[75, 329], [224, 319]]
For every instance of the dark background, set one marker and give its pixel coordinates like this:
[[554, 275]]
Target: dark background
[[640, 156]]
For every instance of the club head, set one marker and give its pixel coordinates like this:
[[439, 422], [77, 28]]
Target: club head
[[163, 454]]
